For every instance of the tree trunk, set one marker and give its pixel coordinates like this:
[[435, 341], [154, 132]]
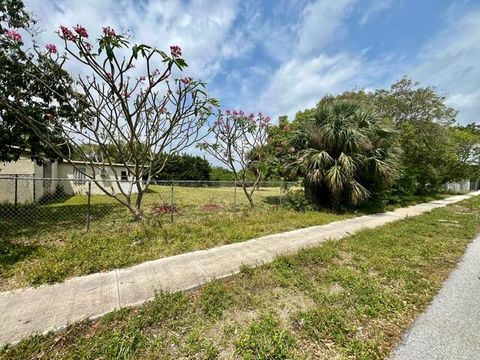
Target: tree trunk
[[136, 212], [137, 209], [317, 194], [248, 195]]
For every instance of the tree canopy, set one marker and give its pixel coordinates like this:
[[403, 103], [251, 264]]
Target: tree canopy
[[27, 86]]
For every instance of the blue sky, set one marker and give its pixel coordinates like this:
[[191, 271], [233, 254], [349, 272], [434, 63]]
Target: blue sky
[[280, 57]]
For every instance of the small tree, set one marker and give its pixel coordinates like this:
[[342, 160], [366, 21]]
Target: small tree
[[132, 110], [349, 155], [238, 141]]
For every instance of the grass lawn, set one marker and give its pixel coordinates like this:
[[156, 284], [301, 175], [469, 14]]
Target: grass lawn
[[351, 298], [49, 243]]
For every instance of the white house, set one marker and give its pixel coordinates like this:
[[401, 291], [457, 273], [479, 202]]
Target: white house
[[463, 186], [25, 181]]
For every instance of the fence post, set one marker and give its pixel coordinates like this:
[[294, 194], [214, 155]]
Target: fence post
[[89, 204], [171, 205], [16, 190], [234, 197], [33, 189], [281, 191]]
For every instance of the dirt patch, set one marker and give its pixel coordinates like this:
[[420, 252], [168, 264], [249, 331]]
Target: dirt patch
[[316, 350], [212, 207], [449, 222], [335, 289], [344, 258], [459, 209]]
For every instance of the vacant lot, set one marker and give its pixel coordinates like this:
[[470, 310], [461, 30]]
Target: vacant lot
[[351, 298], [48, 243]]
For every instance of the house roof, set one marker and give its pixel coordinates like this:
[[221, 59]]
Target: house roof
[[27, 151], [97, 163]]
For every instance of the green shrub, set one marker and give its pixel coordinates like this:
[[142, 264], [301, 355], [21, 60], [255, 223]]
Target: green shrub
[[296, 200]]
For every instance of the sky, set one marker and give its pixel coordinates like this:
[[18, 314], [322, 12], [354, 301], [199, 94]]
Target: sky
[[282, 56]]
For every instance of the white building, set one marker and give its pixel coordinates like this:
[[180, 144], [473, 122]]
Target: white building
[[25, 181]]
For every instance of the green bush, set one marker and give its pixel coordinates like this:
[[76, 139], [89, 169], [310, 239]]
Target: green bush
[[185, 167], [220, 174], [296, 200]]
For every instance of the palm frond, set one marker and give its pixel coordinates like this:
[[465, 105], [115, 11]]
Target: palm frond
[[358, 193], [336, 179]]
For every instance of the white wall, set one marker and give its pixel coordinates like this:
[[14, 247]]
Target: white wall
[[458, 187], [23, 166], [25, 169], [66, 171], [30, 185]]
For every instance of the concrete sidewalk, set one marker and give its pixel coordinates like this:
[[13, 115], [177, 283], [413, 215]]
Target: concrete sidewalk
[[450, 328], [52, 307]]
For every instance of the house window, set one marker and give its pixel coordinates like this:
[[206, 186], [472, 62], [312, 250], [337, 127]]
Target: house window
[[79, 176], [124, 175]]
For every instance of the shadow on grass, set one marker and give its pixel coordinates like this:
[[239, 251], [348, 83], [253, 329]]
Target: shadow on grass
[[32, 220], [11, 253], [272, 200], [278, 201]]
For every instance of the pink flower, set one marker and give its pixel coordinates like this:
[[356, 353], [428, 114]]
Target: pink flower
[[88, 46], [260, 114], [51, 48], [186, 80], [176, 51], [228, 112], [66, 34], [251, 116], [108, 31], [267, 119], [81, 31], [13, 35]]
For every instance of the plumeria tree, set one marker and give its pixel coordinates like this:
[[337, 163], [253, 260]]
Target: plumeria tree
[[131, 101], [238, 141]]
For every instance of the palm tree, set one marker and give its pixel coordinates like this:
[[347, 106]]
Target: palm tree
[[349, 154]]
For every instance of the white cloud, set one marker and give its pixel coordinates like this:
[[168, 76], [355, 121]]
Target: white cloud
[[310, 73], [201, 27], [449, 61], [374, 9], [322, 21], [300, 84]]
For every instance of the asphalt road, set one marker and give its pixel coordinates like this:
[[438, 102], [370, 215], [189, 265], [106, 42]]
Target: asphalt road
[[450, 327]]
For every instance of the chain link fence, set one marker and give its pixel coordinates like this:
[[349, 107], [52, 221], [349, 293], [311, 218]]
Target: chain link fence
[[30, 205]]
